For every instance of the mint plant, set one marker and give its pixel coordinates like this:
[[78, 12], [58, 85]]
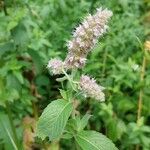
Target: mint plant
[[60, 119]]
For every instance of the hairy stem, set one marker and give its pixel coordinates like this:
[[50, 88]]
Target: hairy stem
[[70, 80]]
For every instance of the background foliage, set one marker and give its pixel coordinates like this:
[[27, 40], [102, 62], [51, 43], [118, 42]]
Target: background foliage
[[32, 32]]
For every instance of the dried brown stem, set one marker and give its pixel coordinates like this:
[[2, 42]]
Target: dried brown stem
[[141, 90], [139, 111]]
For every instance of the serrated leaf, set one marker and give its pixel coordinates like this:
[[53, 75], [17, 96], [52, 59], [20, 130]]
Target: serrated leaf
[[92, 140], [53, 120]]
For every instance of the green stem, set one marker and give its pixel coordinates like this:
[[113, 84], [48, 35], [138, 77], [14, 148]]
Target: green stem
[[70, 80], [12, 124]]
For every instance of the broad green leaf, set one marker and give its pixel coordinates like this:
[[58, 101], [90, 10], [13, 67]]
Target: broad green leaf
[[53, 120], [92, 140]]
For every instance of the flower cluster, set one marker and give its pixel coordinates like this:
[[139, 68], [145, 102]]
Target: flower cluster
[[83, 40], [91, 88], [55, 66], [85, 37]]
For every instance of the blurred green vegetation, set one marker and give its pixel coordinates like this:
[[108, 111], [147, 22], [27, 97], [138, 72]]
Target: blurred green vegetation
[[32, 32]]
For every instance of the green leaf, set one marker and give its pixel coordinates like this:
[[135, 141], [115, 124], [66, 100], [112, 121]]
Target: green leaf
[[6, 48], [63, 94], [92, 140], [112, 129], [19, 34], [6, 133], [67, 95], [19, 76], [13, 82], [67, 136], [84, 121], [53, 120]]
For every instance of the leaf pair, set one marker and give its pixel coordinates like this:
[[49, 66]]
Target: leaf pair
[[54, 119]]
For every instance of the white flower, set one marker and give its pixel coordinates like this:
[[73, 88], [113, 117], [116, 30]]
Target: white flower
[[86, 24], [70, 44], [86, 35], [55, 66], [73, 61], [91, 88]]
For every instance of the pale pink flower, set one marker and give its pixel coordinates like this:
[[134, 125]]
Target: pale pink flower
[[55, 66], [73, 61], [86, 35], [91, 89]]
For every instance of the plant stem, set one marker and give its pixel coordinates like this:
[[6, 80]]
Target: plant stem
[[12, 124], [141, 93], [141, 90], [35, 110], [73, 74], [70, 80]]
